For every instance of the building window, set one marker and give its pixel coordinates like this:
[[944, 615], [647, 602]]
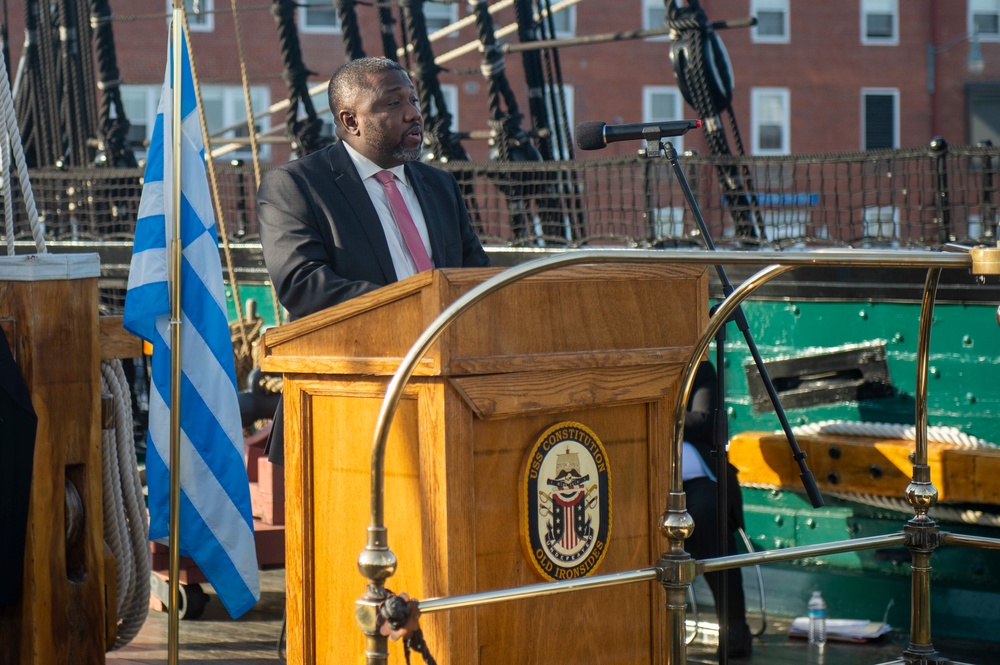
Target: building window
[[772, 21], [200, 14], [880, 119], [663, 103], [984, 19], [560, 144], [654, 16], [321, 104], [564, 22], [139, 103], [882, 223], [223, 106], [770, 113], [449, 92], [438, 15], [879, 22], [318, 17]]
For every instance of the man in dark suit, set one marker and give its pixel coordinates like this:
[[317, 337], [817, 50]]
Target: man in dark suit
[[363, 212]]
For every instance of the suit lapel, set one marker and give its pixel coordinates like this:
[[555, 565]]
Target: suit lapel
[[431, 208], [346, 178]]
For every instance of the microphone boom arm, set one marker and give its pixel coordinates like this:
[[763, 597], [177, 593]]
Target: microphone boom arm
[[808, 481]]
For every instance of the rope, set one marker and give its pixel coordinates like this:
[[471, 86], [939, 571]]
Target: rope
[[214, 183], [444, 144], [350, 30], [939, 434], [304, 135], [11, 132], [126, 523], [892, 431], [112, 120]]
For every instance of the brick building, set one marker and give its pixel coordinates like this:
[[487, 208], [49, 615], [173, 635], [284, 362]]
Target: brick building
[[811, 77]]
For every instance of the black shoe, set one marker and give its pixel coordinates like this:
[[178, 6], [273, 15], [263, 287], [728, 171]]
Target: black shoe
[[740, 642]]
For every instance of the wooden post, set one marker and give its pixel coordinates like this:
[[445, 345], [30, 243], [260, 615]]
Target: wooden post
[[48, 306]]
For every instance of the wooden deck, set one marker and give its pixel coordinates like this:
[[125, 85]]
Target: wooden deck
[[214, 639]]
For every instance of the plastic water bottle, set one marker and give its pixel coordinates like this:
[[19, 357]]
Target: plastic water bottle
[[817, 619]]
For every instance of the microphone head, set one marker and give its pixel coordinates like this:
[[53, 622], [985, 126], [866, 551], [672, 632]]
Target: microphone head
[[590, 135]]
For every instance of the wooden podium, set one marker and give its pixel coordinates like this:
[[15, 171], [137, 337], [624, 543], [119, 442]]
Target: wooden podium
[[600, 346]]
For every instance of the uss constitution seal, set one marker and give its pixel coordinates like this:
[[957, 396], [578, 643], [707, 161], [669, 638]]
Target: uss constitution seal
[[566, 495]]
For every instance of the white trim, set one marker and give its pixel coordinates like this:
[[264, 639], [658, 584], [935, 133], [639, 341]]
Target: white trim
[[307, 29], [44, 267], [785, 121], [651, 91], [867, 7], [784, 6], [889, 92], [983, 7], [196, 22], [647, 24]]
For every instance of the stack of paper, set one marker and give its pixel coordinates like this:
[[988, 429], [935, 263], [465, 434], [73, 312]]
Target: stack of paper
[[843, 630]]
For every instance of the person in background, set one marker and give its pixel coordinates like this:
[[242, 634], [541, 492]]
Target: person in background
[[702, 503], [363, 212]]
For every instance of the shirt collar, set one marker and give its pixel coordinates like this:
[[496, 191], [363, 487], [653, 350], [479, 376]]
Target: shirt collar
[[367, 168]]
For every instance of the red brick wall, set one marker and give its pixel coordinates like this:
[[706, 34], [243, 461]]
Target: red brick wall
[[824, 65]]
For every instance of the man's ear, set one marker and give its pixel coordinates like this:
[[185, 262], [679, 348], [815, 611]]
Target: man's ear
[[349, 121]]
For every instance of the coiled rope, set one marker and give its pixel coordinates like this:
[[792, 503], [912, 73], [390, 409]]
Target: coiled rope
[[939, 434], [126, 525]]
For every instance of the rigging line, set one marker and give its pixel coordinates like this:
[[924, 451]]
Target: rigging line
[[128, 18], [353, 43], [475, 44], [255, 158], [304, 136], [387, 23], [210, 168], [114, 130], [463, 22]]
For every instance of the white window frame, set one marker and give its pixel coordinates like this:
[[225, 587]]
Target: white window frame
[[984, 7], [201, 22], [450, 93], [785, 223], [878, 219], [148, 98], [306, 28], [891, 92], [647, 23], [785, 8], [880, 7], [321, 104], [440, 11], [786, 121], [233, 106], [569, 96], [651, 91], [570, 14]]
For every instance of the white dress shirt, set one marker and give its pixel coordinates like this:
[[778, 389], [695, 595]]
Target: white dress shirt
[[401, 259]]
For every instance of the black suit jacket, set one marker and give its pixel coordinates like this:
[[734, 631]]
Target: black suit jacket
[[18, 424], [323, 242]]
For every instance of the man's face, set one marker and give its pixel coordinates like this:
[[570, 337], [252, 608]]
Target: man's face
[[386, 126]]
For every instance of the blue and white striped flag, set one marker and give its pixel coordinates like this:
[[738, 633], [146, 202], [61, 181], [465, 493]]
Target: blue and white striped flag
[[216, 525]]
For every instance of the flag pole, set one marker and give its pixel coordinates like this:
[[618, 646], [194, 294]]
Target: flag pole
[[173, 628]]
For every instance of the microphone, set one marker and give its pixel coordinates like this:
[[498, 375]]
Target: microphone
[[594, 134]]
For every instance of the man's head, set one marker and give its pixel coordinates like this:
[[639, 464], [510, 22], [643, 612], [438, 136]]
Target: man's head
[[376, 110]]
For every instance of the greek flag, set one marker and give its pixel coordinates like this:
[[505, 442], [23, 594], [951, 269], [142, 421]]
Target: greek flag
[[216, 526]]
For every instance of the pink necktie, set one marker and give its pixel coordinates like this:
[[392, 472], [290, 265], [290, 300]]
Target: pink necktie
[[405, 222]]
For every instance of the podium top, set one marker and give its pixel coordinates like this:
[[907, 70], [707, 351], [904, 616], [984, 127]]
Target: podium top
[[43, 267], [569, 317]]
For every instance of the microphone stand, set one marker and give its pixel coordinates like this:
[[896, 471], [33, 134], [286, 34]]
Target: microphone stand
[[653, 137]]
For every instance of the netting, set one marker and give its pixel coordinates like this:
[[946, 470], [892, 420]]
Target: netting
[[895, 198]]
